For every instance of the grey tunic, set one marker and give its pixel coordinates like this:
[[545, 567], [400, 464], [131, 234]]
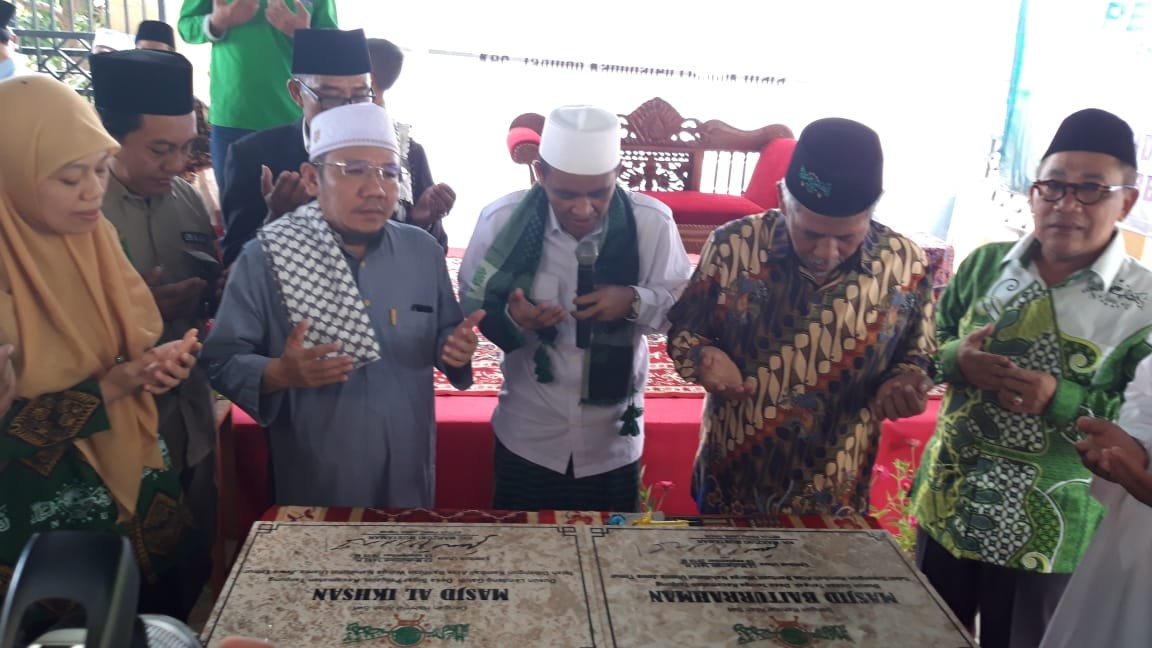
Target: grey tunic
[[372, 440]]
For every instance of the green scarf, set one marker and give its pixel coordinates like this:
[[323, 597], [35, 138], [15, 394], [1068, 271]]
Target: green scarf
[[512, 262]]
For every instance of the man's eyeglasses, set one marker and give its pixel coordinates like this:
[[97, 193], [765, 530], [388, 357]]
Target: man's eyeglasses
[[1087, 193], [389, 173], [327, 102]]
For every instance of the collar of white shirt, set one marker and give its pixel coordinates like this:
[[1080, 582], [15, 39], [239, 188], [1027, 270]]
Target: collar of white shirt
[[1106, 266]]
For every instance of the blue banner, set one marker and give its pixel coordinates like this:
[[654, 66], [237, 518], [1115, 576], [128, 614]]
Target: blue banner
[[1073, 55]]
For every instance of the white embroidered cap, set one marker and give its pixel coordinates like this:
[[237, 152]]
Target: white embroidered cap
[[581, 140], [363, 124], [117, 41]]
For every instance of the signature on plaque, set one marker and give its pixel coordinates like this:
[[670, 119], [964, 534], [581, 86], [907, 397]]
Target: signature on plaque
[[416, 542], [721, 545]]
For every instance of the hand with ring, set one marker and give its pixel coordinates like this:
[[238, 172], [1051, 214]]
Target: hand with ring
[[1026, 391]]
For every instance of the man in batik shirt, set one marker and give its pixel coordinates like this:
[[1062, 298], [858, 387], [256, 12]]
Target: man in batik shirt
[[808, 326]]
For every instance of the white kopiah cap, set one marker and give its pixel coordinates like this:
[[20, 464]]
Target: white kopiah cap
[[581, 140], [363, 124], [116, 41]]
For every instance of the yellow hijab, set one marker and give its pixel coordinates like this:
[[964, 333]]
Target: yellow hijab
[[70, 303]]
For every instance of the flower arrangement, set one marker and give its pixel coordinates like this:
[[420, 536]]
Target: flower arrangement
[[646, 504], [896, 515], [650, 509]]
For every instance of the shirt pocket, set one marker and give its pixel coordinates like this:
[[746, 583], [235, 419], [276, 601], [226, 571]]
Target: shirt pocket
[[412, 332]]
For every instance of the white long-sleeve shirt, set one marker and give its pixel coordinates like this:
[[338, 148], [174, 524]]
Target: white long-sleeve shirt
[[545, 423], [1107, 601]]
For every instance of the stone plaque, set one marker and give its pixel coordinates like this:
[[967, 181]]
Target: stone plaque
[[729, 587], [330, 584], [310, 585]]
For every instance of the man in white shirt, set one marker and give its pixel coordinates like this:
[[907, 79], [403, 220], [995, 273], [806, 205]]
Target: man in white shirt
[[569, 421]]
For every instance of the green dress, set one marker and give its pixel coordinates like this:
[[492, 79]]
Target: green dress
[[46, 484]]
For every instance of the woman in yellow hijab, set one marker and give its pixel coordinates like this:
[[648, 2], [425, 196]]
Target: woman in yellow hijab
[[79, 447]]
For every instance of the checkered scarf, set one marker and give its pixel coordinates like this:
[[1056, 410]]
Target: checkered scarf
[[315, 283]]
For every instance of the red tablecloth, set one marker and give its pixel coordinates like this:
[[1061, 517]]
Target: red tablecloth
[[901, 440], [598, 518], [464, 454], [464, 443]]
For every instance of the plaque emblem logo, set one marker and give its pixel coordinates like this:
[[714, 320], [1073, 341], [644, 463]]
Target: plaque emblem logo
[[790, 633], [406, 632]]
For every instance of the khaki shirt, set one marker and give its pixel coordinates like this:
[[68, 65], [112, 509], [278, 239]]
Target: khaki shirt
[[159, 232]]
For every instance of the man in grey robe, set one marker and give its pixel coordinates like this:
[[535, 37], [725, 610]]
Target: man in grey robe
[[332, 321]]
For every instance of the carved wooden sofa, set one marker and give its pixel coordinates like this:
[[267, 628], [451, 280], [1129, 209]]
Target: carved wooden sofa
[[707, 172]]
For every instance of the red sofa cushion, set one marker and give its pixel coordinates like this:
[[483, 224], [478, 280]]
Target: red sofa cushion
[[523, 144], [770, 168], [697, 208]]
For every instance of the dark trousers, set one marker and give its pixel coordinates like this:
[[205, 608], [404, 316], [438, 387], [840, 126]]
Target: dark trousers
[[524, 486], [219, 139], [1014, 605]]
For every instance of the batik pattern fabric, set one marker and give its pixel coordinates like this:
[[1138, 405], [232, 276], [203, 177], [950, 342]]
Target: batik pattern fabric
[[805, 441], [46, 484], [1008, 488]]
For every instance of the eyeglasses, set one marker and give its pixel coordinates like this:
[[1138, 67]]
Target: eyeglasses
[[389, 173], [327, 102], [1087, 193]]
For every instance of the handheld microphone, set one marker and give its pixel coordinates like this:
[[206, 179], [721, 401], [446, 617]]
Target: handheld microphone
[[587, 251]]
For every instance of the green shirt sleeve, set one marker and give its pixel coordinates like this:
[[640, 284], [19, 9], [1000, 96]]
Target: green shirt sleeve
[[1105, 395], [324, 15], [191, 21], [970, 283]]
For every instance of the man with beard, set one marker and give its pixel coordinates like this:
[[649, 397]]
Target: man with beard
[[331, 323], [808, 326]]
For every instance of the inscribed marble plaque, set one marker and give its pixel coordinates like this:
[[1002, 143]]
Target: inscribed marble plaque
[[306, 585], [731, 587]]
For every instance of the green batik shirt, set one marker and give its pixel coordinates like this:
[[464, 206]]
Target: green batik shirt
[[1007, 488]]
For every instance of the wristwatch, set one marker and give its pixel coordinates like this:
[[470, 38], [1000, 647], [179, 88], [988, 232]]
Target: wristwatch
[[634, 314]]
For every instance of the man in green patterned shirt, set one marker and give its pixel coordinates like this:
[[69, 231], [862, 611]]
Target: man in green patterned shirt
[[1033, 334]]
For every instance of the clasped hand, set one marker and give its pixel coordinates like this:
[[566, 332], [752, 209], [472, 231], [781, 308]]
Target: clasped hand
[[1017, 390], [157, 371], [283, 195], [432, 205], [902, 396], [719, 375], [605, 304]]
